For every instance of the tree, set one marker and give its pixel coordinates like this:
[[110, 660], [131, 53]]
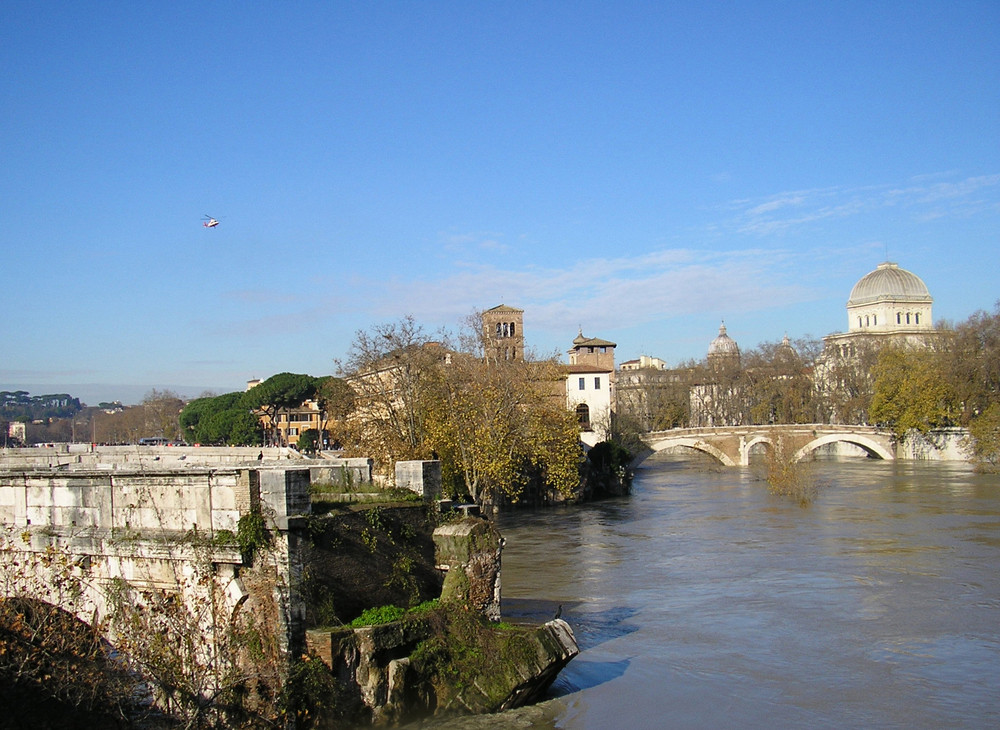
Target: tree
[[277, 393], [650, 399], [389, 369], [336, 400], [984, 433], [911, 391], [779, 385], [222, 419], [847, 385], [161, 412], [973, 363], [500, 425], [308, 441]]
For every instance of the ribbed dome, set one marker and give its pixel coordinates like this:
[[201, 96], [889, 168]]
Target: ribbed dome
[[889, 281], [723, 345]]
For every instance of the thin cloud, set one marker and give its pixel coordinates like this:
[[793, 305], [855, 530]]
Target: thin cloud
[[922, 199], [604, 292], [472, 241]]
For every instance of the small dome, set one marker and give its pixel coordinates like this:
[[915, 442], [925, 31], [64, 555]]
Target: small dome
[[723, 345], [889, 282]]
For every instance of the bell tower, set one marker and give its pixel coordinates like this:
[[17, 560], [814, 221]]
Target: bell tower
[[503, 333]]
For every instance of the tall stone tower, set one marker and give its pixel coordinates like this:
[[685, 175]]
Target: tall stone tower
[[503, 333]]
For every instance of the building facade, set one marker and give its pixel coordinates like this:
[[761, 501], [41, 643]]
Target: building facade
[[590, 386]]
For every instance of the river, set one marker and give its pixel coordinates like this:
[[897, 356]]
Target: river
[[702, 601]]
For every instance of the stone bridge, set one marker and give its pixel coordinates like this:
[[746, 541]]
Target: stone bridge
[[733, 445]]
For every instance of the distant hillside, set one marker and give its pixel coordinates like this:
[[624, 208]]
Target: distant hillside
[[19, 405]]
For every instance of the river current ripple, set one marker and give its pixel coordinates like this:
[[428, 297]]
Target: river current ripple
[[702, 601]]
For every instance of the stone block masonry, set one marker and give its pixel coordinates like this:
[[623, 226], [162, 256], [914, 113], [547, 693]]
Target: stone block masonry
[[422, 477]]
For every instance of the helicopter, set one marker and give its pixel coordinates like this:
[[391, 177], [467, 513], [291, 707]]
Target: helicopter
[[210, 222]]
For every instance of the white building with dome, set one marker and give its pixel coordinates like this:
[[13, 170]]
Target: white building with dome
[[888, 304]]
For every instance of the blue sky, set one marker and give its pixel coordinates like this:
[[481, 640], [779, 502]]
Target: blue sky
[[643, 170]]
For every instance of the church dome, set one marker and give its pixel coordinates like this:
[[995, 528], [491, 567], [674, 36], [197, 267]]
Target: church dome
[[723, 345], [889, 282]]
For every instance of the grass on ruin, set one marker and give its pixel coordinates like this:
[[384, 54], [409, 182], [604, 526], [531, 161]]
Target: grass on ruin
[[387, 614], [326, 496]]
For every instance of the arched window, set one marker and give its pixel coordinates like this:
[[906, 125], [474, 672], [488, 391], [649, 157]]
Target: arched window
[[499, 329], [866, 320], [859, 322], [899, 318], [512, 329], [916, 318], [875, 320], [907, 317], [583, 416], [505, 330]]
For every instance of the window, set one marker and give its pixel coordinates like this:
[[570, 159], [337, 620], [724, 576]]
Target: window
[[907, 317], [597, 383], [875, 320], [899, 318], [511, 329], [583, 416], [916, 319], [582, 384], [866, 320]]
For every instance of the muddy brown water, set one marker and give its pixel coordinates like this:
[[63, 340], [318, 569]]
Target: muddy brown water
[[702, 601]]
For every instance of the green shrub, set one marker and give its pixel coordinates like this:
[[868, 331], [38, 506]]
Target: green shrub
[[378, 616]]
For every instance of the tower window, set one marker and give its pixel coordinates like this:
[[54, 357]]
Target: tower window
[[899, 318], [907, 317], [916, 319], [511, 329], [875, 320]]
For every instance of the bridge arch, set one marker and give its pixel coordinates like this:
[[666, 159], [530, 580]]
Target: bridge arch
[[747, 448], [695, 444], [870, 446]]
